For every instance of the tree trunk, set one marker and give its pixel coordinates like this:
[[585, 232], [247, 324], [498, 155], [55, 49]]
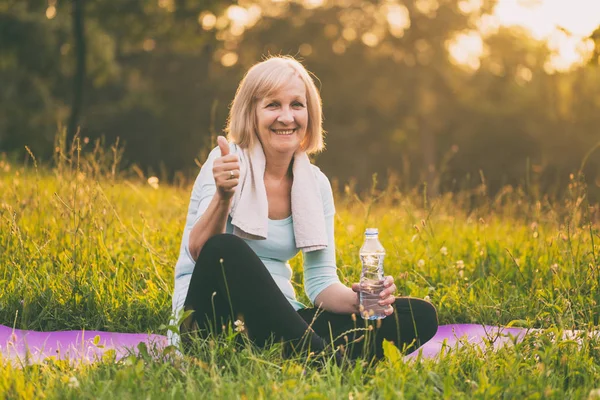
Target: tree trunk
[[427, 106], [80, 69]]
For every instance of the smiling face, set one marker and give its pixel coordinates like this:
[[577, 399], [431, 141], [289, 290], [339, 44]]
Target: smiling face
[[282, 119]]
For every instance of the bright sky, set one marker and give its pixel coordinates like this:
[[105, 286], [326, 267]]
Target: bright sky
[[542, 18]]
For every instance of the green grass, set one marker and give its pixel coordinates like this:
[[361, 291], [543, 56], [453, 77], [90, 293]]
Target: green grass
[[85, 247]]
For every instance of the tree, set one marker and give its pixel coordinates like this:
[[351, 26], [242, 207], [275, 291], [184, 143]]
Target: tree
[[80, 69]]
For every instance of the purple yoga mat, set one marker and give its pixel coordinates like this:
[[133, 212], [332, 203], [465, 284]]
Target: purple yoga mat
[[79, 345], [458, 335]]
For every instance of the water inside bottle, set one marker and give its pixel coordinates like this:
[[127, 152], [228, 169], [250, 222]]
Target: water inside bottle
[[371, 285]]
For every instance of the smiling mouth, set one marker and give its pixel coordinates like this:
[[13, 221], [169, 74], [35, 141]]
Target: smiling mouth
[[283, 132]]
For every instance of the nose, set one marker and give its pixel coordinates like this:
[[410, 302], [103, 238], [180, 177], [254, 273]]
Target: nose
[[285, 116]]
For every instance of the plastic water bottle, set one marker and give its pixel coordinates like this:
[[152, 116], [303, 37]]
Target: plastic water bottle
[[372, 254]]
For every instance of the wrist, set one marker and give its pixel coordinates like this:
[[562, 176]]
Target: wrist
[[223, 200], [356, 303]]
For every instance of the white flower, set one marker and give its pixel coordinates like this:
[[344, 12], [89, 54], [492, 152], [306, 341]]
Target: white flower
[[444, 251], [73, 382], [153, 181], [594, 394], [460, 264], [427, 298], [421, 263], [239, 326]]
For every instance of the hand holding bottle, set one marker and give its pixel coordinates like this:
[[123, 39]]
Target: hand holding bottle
[[387, 295], [375, 291]]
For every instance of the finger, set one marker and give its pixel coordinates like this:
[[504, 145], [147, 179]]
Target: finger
[[229, 166], [223, 145], [356, 287], [234, 174], [389, 310], [228, 176], [220, 168], [229, 184], [388, 301], [388, 281], [388, 291], [228, 159]]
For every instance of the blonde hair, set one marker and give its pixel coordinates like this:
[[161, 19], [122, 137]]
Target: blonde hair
[[259, 82]]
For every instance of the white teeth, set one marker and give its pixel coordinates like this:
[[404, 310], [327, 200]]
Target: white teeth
[[284, 132]]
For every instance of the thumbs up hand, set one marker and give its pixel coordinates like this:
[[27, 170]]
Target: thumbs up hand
[[226, 170], [223, 145]]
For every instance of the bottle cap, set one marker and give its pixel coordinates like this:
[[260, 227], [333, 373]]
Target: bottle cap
[[371, 232]]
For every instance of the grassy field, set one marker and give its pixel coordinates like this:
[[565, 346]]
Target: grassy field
[[82, 246]]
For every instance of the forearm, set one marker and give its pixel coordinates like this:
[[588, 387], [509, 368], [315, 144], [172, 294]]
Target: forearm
[[212, 222], [338, 298]]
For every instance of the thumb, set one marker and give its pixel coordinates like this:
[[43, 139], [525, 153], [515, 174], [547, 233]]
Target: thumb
[[223, 145], [356, 287]]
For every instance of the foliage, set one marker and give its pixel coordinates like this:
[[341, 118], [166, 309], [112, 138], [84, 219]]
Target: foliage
[[84, 246], [394, 100]]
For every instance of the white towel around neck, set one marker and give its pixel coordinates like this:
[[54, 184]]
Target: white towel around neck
[[250, 207]]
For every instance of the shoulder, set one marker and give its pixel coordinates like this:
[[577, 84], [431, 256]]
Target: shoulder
[[324, 189], [214, 153], [321, 178]]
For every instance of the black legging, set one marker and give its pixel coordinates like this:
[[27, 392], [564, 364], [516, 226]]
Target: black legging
[[230, 279]]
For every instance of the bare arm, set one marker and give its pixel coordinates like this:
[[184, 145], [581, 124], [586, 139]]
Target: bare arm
[[341, 299], [226, 171], [211, 223], [338, 298]]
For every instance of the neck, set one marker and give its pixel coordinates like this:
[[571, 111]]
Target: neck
[[278, 168]]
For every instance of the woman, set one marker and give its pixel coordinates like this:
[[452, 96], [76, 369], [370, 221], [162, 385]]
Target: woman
[[258, 201]]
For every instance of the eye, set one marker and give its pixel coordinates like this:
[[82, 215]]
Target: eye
[[297, 104], [272, 104]]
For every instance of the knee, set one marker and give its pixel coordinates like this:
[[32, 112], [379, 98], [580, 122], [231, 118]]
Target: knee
[[224, 251], [426, 314], [423, 316], [223, 243]]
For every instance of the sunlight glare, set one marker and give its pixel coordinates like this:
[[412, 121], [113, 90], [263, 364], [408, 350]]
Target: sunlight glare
[[469, 6], [523, 75], [579, 17], [349, 34], [237, 14], [51, 12], [168, 5], [568, 50], [488, 24], [338, 47], [207, 20], [229, 59], [370, 39], [427, 7], [254, 14], [466, 49], [398, 19], [564, 25], [305, 49], [310, 4]]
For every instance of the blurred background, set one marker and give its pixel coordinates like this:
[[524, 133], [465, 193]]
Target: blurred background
[[451, 93]]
